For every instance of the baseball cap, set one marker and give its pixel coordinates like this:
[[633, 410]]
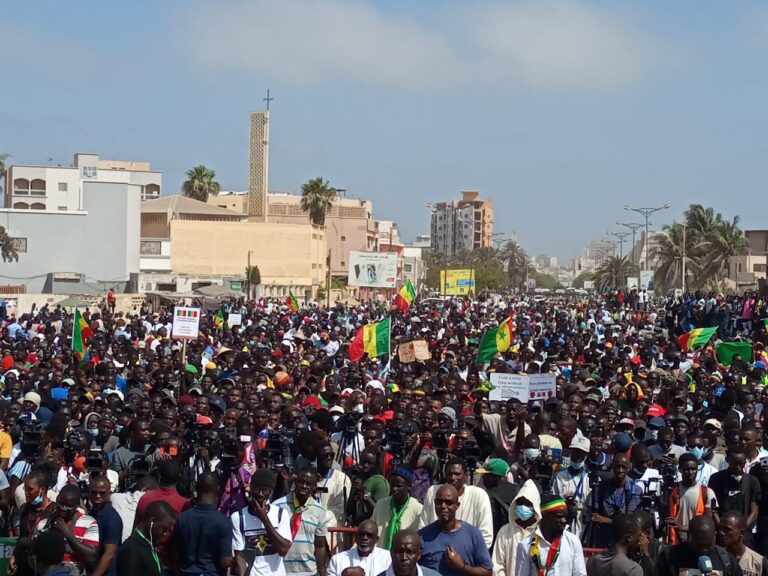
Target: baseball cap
[[656, 422], [714, 422], [580, 443], [495, 466]]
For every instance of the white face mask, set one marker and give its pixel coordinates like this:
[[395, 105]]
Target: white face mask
[[532, 453]]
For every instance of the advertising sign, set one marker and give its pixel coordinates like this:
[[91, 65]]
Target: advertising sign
[[633, 282], [506, 386], [457, 282], [646, 279], [372, 269], [186, 322]]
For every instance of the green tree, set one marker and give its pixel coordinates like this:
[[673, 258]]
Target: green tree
[[578, 282], [614, 271], [3, 158], [7, 247], [545, 280], [338, 282], [200, 183], [517, 263], [317, 198], [252, 279]]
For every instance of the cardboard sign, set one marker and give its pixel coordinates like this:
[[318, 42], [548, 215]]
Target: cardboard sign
[[412, 351], [506, 386], [235, 319], [541, 386], [186, 322]]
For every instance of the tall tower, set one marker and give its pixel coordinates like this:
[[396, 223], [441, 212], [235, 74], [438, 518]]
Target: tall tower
[[258, 181]]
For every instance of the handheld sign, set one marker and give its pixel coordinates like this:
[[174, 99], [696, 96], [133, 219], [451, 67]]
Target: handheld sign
[[186, 322]]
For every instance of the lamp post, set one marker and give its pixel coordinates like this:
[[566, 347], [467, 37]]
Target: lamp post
[[683, 266], [634, 226], [620, 236], [646, 212]]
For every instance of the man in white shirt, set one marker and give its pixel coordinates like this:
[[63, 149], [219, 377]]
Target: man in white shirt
[[365, 554], [533, 553], [261, 534]]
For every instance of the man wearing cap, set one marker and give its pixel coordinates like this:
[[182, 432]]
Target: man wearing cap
[[261, 533], [551, 549], [572, 484], [501, 493], [399, 511]]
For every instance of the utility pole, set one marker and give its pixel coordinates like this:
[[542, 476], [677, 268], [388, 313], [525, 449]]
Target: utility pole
[[634, 226], [328, 282], [685, 226], [620, 236], [646, 212]]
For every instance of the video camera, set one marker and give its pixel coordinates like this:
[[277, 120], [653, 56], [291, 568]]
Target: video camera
[[543, 468], [277, 450], [31, 439]]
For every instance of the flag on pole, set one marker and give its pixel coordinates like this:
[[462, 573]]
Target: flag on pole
[[372, 338], [495, 340], [405, 297], [291, 301], [727, 350], [218, 320], [696, 338], [80, 331]]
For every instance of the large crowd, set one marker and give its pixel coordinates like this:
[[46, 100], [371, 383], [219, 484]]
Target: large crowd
[[262, 449]]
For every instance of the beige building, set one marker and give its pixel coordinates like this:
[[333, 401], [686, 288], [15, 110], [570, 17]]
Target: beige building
[[748, 269], [186, 243], [349, 223], [463, 224], [60, 188]]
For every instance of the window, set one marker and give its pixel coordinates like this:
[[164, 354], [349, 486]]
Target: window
[[62, 186], [150, 248], [89, 171], [758, 268], [62, 208], [408, 267], [343, 238], [20, 244], [342, 263]]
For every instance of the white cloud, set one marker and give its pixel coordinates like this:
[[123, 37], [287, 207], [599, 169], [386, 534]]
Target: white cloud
[[543, 43]]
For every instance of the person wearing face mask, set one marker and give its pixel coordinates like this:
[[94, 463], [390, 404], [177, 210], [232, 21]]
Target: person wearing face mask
[[37, 508], [695, 446], [572, 484], [524, 516], [103, 436], [139, 553], [531, 451], [649, 479], [736, 490]]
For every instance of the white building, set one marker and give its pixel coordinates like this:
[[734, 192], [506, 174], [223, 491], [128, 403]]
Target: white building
[[414, 265], [60, 188]]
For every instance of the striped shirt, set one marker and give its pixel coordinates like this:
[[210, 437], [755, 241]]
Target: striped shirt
[[84, 528], [300, 560]]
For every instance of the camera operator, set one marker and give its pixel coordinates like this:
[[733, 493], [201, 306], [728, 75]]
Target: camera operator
[[138, 446], [234, 476], [334, 487], [368, 487], [573, 485], [649, 479], [688, 499], [475, 505]]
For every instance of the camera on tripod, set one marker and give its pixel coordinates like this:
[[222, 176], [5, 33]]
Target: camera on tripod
[[543, 468]]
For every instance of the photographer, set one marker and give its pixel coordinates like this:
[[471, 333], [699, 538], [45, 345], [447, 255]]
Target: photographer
[[334, 487], [573, 485], [138, 446], [368, 487]]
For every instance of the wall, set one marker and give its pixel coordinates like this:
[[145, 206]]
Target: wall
[[102, 243], [284, 253]]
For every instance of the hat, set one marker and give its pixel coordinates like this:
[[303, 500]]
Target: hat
[[656, 422], [552, 503], [714, 422], [594, 395], [337, 410], [448, 411], [680, 418], [218, 403], [190, 368], [281, 378], [197, 389], [312, 401], [33, 397], [655, 410], [168, 395], [405, 472], [264, 477], [375, 384], [580, 443], [495, 466], [626, 422], [67, 382], [622, 442], [110, 392]]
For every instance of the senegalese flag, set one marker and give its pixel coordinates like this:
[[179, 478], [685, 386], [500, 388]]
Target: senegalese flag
[[405, 297], [765, 323], [291, 301], [696, 338], [497, 339], [218, 320], [372, 338], [80, 331]]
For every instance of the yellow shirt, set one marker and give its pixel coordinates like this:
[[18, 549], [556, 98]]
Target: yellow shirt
[[6, 445]]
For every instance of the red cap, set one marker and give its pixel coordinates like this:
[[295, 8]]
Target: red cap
[[312, 401], [185, 400], [7, 363], [655, 410]]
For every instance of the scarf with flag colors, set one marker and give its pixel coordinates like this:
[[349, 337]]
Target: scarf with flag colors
[[497, 339], [80, 331], [372, 338], [291, 302], [405, 297], [695, 338], [218, 320]]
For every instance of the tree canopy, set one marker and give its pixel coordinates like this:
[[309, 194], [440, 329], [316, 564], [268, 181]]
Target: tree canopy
[[200, 183]]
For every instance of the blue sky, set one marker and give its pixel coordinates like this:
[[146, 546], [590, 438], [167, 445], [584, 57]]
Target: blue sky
[[561, 112]]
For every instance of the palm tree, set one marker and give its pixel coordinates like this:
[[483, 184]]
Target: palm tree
[[317, 198], [7, 247], [517, 263], [727, 241], [252, 279], [614, 271], [669, 252], [3, 158], [200, 183]]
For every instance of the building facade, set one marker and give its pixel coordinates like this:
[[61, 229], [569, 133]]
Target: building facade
[[461, 225], [83, 251]]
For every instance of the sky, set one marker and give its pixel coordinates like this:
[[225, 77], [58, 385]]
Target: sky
[[561, 112]]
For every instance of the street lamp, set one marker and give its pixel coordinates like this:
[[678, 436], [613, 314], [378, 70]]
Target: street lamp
[[634, 226], [620, 236], [646, 212]]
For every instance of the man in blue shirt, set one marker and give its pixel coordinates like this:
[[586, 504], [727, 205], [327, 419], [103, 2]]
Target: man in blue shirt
[[110, 527], [202, 538], [450, 546]]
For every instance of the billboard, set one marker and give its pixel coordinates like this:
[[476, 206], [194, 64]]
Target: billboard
[[372, 269], [457, 282], [646, 279]]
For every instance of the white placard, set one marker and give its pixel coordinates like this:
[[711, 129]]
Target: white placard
[[541, 386], [186, 322], [372, 269], [507, 386], [234, 319]]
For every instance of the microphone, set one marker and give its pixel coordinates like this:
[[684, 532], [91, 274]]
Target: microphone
[[705, 565]]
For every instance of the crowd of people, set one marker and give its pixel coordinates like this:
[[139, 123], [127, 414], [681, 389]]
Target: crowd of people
[[261, 448]]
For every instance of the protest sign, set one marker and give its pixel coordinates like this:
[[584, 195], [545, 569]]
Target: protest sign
[[186, 322], [506, 386], [541, 386]]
